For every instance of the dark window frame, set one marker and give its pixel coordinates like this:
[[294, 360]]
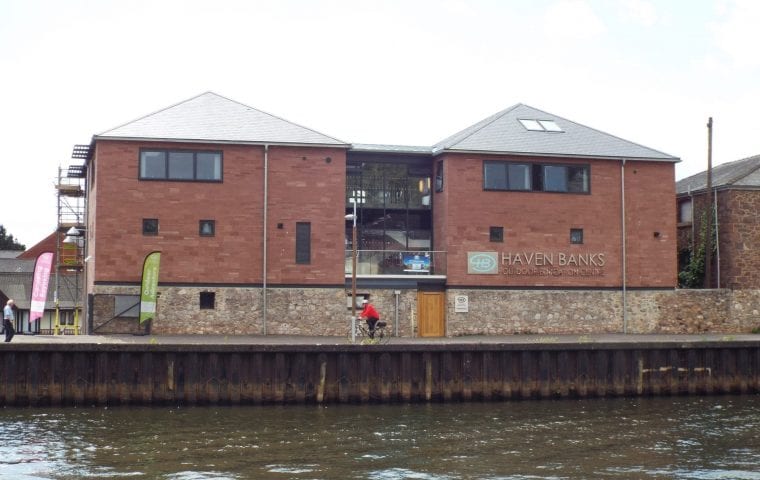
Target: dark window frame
[[207, 300], [439, 176], [496, 234], [147, 230], [212, 223], [576, 236], [538, 177], [303, 243], [167, 153]]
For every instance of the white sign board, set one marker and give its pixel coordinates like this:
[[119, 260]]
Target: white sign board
[[461, 304]]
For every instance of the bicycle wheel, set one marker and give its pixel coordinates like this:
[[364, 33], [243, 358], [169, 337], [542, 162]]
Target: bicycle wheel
[[355, 333], [383, 335]]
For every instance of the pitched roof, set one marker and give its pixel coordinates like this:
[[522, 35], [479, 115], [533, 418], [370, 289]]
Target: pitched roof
[[504, 133], [739, 173], [16, 277], [213, 118]]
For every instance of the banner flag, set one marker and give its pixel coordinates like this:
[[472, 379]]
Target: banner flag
[[149, 288], [42, 267]]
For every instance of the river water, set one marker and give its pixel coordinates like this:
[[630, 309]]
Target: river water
[[675, 437]]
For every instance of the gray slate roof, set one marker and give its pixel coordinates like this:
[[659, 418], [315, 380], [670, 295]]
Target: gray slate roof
[[16, 282], [744, 173], [503, 133], [213, 118]]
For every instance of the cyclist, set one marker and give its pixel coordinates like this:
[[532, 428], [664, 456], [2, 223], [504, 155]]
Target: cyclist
[[370, 314]]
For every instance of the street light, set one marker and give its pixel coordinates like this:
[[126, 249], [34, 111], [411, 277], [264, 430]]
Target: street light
[[353, 272]]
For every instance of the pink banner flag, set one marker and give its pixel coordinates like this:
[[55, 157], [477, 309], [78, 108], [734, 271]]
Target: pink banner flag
[[40, 283]]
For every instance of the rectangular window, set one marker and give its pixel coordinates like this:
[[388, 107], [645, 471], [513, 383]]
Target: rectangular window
[[207, 228], [207, 300], [439, 176], [496, 234], [576, 235], [513, 176], [684, 212], [182, 165], [150, 226], [152, 164], [303, 242]]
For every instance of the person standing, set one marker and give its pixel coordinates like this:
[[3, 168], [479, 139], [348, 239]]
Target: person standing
[[370, 314], [8, 320]]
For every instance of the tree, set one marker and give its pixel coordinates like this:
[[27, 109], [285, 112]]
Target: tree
[[7, 242]]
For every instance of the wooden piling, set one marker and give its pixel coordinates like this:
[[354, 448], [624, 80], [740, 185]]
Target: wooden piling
[[130, 374]]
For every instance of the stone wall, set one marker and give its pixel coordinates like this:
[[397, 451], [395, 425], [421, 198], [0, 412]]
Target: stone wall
[[326, 311], [497, 312], [238, 311]]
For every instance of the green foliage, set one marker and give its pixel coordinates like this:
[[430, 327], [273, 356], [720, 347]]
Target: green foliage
[[7, 242], [693, 275]]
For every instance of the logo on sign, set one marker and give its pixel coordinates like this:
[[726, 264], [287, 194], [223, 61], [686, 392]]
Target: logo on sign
[[483, 263]]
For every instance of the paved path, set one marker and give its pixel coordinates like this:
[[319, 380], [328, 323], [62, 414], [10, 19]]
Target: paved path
[[312, 340]]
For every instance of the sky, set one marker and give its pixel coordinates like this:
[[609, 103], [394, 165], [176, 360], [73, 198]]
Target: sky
[[396, 72]]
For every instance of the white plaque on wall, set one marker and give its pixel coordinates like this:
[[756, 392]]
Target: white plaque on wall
[[461, 304]]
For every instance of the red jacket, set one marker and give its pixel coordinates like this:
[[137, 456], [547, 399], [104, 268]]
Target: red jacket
[[369, 312]]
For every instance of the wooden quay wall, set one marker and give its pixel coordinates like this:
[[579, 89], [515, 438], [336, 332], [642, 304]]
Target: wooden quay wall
[[144, 374]]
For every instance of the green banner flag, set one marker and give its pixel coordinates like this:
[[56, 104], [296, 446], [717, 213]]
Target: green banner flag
[[149, 289]]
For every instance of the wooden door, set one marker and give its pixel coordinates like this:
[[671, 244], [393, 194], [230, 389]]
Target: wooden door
[[431, 313]]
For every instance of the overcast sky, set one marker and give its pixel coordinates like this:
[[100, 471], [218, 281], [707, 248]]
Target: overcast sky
[[399, 72]]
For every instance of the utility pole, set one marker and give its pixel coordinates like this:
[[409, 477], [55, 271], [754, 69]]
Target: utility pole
[[709, 209]]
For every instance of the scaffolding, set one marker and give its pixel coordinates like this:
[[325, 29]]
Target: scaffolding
[[70, 243]]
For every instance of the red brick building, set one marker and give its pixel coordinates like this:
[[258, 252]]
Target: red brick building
[[735, 201], [506, 226]]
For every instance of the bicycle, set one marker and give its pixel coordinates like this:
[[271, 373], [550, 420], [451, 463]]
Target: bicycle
[[361, 333]]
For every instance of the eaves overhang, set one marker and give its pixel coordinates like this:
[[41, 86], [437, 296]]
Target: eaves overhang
[[220, 142], [558, 155]]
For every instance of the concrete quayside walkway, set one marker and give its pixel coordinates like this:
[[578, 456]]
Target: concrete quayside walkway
[[538, 339]]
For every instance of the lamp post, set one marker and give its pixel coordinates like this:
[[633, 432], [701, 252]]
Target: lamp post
[[353, 272]]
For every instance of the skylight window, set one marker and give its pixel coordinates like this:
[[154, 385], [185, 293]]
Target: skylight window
[[532, 125], [550, 125], [540, 125]]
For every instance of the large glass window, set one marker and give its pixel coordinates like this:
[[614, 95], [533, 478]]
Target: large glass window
[[152, 164], [555, 178], [208, 166], [535, 177], [183, 165], [393, 207]]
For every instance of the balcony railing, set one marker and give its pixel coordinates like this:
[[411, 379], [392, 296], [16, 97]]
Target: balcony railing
[[396, 262]]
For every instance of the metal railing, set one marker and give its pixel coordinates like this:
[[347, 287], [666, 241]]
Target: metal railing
[[397, 262]]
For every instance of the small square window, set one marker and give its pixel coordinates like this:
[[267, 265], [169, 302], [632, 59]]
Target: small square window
[[576, 235], [496, 234], [208, 299], [207, 228], [150, 226]]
